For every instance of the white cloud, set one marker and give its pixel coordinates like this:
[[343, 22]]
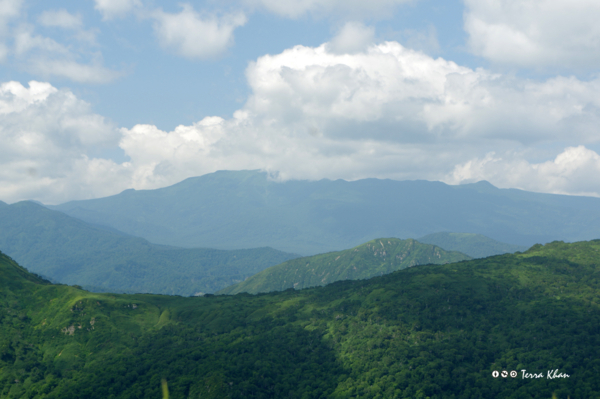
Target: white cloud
[[115, 8], [192, 36], [536, 34], [45, 57], [337, 8], [575, 171], [9, 9], [60, 19], [83, 73], [46, 134], [353, 37], [26, 41], [402, 95]]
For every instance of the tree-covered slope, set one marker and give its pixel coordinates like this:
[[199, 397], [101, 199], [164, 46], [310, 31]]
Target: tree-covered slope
[[474, 245], [374, 258], [247, 209], [434, 331], [70, 251]]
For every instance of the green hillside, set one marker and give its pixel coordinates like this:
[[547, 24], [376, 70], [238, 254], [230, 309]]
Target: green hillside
[[374, 258], [474, 245], [70, 251], [248, 209], [434, 331]]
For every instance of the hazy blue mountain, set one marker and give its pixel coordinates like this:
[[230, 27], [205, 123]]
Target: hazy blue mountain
[[373, 258], [246, 209], [474, 245], [68, 250]]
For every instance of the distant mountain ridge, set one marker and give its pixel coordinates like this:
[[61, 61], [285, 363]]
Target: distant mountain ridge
[[374, 258], [67, 250], [246, 209], [474, 245]]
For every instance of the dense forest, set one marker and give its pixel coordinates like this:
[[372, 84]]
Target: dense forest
[[433, 331]]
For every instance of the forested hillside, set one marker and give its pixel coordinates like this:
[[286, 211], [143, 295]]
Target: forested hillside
[[434, 331], [70, 251], [374, 258]]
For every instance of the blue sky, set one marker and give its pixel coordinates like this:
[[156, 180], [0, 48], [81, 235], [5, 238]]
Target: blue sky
[[103, 95]]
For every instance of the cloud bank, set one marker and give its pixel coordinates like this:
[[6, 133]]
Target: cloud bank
[[321, 112]]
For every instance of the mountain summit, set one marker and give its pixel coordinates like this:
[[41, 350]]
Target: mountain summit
[[247, 209]]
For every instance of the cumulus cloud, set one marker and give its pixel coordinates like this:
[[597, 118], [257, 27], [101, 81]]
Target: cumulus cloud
[[190, 35], [405, 96], [115, 8], [337, 8], [46, 134], [535, 34], [574, 171]]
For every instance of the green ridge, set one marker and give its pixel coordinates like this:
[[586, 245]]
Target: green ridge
[[434, 331], [374, 258]]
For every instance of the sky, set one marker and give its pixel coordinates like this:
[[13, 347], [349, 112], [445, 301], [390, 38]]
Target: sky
[[98, 96]]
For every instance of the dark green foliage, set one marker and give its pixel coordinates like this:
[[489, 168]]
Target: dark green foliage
[[70, 251], [474, 245], [246, 209], [434, 331], [374, 258]]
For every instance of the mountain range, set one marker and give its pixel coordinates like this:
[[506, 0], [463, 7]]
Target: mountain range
[[248, 209], [432, 331], [474, 245], [374, 258], [70, 251]]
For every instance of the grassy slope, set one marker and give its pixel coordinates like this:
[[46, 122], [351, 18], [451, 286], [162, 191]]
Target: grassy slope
[[434, 331], [70, 251], [474, 245], [245, 209], [374, 258]]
